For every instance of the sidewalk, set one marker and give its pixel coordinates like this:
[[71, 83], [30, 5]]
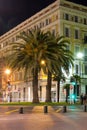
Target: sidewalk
[[48, 121]]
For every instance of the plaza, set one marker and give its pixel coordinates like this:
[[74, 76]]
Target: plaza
[[73, 119]]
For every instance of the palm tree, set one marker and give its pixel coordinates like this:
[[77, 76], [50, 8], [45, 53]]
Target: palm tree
[[48, 87], [67, 87], [63, 61], [28, 53], [75, 79], [34, 47]]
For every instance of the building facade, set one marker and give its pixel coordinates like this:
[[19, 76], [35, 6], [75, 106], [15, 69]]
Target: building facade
[[62, 17]]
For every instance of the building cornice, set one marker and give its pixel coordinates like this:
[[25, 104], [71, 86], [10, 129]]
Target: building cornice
[[42, 14]]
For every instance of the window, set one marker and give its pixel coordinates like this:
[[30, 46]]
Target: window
[[85, 69], [76, 18], [20, 76], [16, 76], [84, 20], [42, 24], [13, 40], [17, 38], [4, 44], [76, 69], [85, 38], [47, 21], [76, 34], [35, 27], [15, 87], [56, 16], [85, 54], [67, 32], [67, 16], [50, 20], [77, 49], [53, 32]]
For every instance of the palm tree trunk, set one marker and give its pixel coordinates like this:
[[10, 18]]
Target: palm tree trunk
[[48, 87], [58, 90], [35, 86]]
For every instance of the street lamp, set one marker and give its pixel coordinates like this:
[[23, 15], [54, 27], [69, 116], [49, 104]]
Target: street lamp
[[79, 55], [42, 62], [8, 72]]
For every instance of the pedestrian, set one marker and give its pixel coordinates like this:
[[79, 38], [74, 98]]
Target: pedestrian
[[81, 99]]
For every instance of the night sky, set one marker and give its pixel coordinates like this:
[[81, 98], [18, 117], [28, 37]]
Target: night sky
[[13, 12]]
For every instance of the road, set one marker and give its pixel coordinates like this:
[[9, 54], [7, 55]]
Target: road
[[71, 120]]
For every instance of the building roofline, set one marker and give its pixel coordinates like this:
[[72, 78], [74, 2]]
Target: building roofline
[[42, 12]]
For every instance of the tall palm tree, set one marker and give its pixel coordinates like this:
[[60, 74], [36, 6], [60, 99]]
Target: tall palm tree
[[48, 87], [76, 79], [67, 87], [28, 53], [63, 61]]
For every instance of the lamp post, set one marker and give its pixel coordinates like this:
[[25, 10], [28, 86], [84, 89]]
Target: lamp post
[[8, 72]]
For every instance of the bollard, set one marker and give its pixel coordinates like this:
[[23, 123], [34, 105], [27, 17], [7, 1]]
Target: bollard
[[45, 109], [21, 110], [84, 108], [64, 109]]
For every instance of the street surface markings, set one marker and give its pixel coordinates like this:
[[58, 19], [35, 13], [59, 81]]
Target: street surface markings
[[12, 111], [59, 110]]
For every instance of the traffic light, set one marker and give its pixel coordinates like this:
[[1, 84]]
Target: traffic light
[[73, 96]]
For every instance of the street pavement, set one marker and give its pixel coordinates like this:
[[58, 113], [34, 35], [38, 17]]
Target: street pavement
[[73, 119]]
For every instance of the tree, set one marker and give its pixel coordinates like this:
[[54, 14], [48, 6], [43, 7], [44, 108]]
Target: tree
[[63, 61], [31, 49], [75, 79], [48, 87], [28, 53], [67, 87]]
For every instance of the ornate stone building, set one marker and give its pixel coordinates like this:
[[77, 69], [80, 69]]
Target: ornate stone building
[[62, 17]]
